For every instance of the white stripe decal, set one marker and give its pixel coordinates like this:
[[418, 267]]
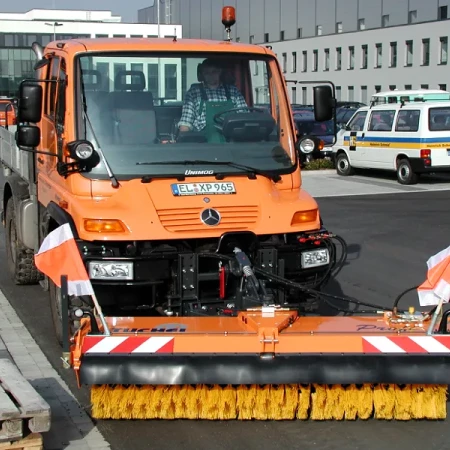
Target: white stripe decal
[[430, 344], [384, 344], [80, 287], [153, 344], [107, 344]]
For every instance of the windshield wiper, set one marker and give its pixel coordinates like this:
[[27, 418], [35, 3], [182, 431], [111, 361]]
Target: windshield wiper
[[248, 169], [112, 177]]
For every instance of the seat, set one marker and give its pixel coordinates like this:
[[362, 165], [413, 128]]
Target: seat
[[133, 110]]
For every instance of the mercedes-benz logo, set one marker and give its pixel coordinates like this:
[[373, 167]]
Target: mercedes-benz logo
[[210, 217]]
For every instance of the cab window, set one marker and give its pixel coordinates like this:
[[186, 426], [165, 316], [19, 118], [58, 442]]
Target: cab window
[[408, 120], [381, 121], [357, 123]]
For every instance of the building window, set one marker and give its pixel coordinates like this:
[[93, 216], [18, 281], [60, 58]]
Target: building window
[[266, 37], [409, 53], [281, 35], [385, 20], [294, 62], [153, 79], [304, 96], [351, 58], [327, 60], [377, 88], [252, 38], [425, 52], [364, 56], [393, 56], [392, 87], [442, 13], [170, 81], [338, 93], [424, 86], [338, 58], [443, 87], [412, 16], [294, 95], [408, 87], [319, 30], [443, 50], [361, 24], [315, 60], [305, 61], [339, 28], [351, 94], [284, 57], [364, 94], [299, 33], [378, 55]]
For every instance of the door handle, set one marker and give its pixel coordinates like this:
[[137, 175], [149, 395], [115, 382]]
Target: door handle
[[40, 160]]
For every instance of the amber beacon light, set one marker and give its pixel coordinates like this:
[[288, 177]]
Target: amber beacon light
[[228, 19]]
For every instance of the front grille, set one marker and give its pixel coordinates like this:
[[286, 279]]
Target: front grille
[[233, 218]]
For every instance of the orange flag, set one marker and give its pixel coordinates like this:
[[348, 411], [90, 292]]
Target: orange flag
[[59, 255], [437, 284]]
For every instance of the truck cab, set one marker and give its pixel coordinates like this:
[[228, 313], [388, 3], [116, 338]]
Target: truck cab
[[150, 201]]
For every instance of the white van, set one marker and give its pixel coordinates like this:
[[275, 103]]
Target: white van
[[409, 138]]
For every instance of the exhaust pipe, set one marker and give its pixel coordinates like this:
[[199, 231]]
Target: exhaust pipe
[[38, 50]]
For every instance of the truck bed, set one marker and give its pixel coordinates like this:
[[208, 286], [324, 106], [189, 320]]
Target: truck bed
[[11, 157]]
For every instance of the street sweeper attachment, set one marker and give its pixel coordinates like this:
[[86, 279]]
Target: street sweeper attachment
[[266, 361]]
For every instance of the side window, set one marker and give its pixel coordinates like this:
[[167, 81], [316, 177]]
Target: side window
[[50, 98], [60, 108], [381, 121], [408, 120], [357, 123]]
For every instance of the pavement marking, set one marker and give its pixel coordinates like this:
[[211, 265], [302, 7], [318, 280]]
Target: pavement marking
[[71, 427]]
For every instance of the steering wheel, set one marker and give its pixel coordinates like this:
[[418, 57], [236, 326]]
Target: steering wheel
[[219, 119]]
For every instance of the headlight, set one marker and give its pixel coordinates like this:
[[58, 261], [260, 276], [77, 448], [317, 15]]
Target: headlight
[[307, 145], [315, 258], [110, 270]]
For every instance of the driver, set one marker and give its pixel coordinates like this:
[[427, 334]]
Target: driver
[[208, 98]]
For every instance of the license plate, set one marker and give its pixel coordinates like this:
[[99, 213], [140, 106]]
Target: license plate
[[203, 188]]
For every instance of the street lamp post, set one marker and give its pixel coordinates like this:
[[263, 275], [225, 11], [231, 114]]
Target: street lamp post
[[54, 25]]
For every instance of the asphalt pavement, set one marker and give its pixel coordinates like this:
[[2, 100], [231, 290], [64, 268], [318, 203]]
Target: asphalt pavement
[[390, 238]]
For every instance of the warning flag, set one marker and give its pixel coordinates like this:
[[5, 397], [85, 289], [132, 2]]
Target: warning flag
[[59, 255], [437, 284]]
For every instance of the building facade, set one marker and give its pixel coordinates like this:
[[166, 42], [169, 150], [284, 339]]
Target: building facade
[[362, 46], [19, 31]]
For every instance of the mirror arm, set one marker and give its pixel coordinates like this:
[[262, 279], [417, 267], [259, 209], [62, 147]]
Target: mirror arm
[[26, 149]]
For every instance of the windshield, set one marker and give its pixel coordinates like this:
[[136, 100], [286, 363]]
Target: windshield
[[149, 110]]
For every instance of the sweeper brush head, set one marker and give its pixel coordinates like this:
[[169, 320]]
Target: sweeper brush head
[[270, 402]]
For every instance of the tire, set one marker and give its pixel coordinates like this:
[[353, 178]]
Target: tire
[[55, 307], [19, 259], [343, 166], [405, 174]]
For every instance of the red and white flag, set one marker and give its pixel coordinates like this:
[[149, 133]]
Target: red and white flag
[[59, 255], [437, 284]]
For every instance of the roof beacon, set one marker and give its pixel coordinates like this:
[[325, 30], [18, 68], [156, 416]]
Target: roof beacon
[[228, 19]]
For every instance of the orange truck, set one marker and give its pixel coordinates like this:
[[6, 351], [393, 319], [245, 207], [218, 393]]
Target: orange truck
[[206, 255]]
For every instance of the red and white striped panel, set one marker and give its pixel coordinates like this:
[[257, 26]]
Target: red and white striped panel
[[127, 344], [406, 344]]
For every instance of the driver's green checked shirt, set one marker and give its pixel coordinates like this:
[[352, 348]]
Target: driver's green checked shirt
[[190, 117]]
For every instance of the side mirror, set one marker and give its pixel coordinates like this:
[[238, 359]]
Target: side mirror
[[28, 136], [30, 102], [324, 103]]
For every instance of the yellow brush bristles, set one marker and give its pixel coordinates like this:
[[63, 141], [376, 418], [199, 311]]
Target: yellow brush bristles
[[270, 402]]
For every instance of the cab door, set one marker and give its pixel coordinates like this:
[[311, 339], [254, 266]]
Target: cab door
[[52, 125]]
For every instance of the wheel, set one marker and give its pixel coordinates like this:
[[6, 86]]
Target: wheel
[[343, 166], [55, 307], [20, 259], [405, 174]]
